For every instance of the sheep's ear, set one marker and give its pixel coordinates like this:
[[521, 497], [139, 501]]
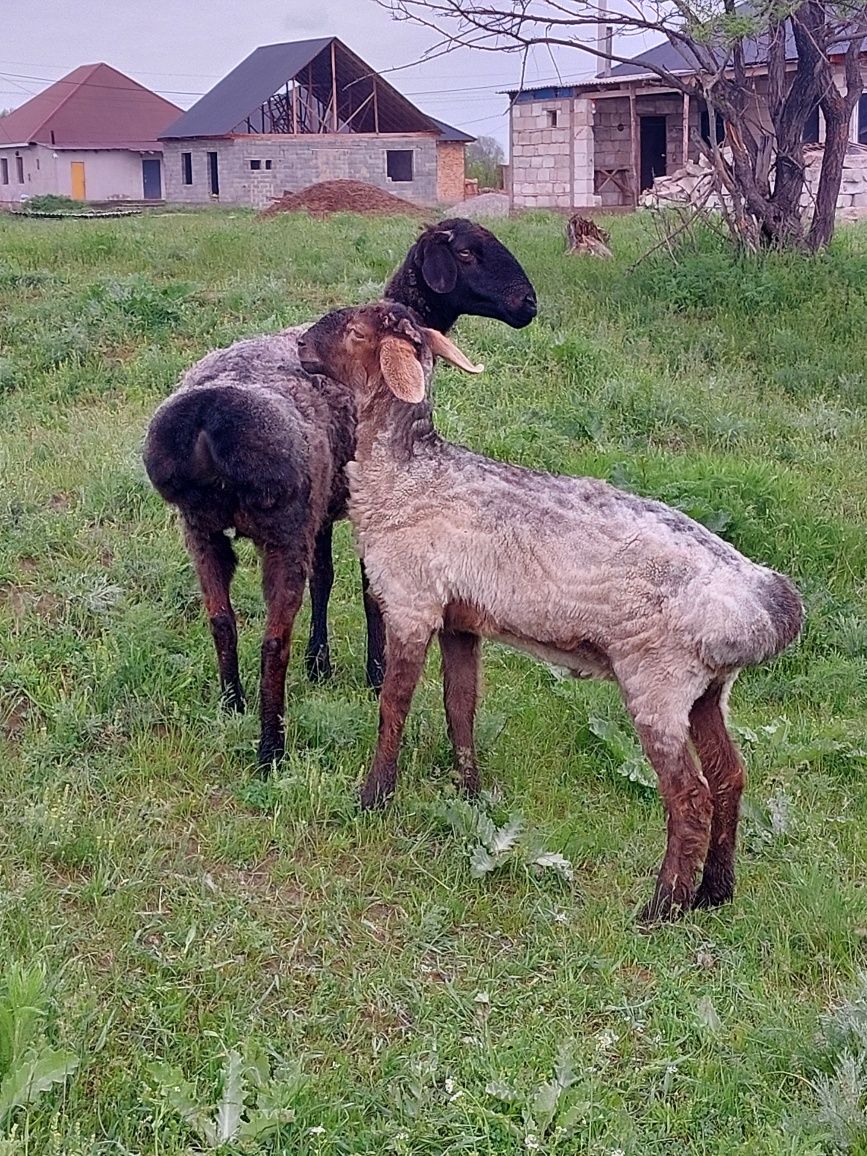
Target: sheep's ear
[[401, 370], [440, 346], [439, 268]]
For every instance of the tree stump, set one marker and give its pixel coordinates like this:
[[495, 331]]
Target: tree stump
[[585, 236]]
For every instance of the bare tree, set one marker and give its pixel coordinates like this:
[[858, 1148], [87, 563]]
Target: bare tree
[[810, 50]]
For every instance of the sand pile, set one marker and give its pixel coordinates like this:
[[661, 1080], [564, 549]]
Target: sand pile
[[340, 197]]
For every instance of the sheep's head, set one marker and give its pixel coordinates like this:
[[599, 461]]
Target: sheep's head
[[464, 262], [378, 344]]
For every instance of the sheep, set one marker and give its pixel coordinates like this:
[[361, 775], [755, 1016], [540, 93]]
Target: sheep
[[568, 569], [248, 442]]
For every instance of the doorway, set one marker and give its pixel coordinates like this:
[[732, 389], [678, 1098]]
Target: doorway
[[653, 147], [214, 174], [151, 179], [79, 186]]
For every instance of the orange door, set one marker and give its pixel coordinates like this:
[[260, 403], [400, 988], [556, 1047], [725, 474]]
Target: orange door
[[79, 189]]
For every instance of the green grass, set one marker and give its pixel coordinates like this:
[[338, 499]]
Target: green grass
[[178, 909]]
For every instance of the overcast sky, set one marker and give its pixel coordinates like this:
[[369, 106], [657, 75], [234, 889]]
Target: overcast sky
[[181, 48]]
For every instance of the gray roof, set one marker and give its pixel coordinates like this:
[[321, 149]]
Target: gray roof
[[239, 94], [267, 70], [448, 133]]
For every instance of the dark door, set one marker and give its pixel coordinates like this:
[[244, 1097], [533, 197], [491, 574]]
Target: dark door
[[652, 138], [152, 179], [214, 174]]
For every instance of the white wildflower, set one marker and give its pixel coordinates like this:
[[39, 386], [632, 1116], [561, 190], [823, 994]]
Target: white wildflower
[[531, 1142], [318, 1130], [449, 1085], [605, 1040]]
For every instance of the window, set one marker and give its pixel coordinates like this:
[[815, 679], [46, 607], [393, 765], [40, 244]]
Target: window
[[267, 164], [811, 126], [4, 171], [187, 168], [551, 114], [19, 169], [862, 120], [214, 174], [398, 163], [255, 164], [704, 127]]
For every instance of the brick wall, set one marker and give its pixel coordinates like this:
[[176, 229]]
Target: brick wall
[[295, 163], [450, 172]]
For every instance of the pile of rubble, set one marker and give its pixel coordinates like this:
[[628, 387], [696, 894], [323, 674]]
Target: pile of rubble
[[694, 184]]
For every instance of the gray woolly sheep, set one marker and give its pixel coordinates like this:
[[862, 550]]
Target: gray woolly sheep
[[571, 570]]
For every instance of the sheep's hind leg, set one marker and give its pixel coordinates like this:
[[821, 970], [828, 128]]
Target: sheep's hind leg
[[283, 580], [321, 581], [724, 772], [689, 808], [461, 654], [402, 672], [375, 669], [215, 564]]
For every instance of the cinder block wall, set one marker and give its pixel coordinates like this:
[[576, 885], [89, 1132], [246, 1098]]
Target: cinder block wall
[[297, 162], [552, 167]]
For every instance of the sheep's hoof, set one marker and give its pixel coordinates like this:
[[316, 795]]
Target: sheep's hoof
[[319, 665], [269, 755], [375, 675], [664, 907], [375, 796], [233, 700], [714, 891]]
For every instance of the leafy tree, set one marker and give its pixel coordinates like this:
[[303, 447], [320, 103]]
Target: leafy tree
[[484, 157]]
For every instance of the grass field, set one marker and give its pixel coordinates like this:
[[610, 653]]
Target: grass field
[[162, 911]]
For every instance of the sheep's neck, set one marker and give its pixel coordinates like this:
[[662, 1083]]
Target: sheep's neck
[[404, 288], [392, 428]]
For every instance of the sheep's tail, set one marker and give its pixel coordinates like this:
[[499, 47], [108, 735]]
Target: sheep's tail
[[772, 623], [199, 439]]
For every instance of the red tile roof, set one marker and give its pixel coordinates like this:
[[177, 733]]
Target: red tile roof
[[94, 103]]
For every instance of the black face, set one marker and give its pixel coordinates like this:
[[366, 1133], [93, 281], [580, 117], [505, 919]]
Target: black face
[[479, 274]]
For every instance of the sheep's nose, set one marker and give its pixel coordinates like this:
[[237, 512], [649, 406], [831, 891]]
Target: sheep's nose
[[530, 300]]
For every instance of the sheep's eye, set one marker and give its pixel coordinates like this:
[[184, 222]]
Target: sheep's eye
[[465, 254], [356, 333]]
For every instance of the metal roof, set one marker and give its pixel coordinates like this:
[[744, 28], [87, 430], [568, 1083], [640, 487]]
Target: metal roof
[[674, 58], [448, 133], [266, 72], [95, 103]]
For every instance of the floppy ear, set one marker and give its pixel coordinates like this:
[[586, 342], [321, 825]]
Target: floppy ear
[[401, 370], [440, 346], [439, 268]]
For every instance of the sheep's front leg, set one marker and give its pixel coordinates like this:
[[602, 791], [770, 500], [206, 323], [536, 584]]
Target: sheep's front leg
[[461, 654], [402, 672], [724, 771], [321, 581], [688, 807], [215, 564], [283, 580], [375, 636]]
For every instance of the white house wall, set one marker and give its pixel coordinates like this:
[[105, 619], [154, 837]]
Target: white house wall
[[110, 174]]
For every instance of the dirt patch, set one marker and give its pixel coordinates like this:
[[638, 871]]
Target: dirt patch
[[341, 197]]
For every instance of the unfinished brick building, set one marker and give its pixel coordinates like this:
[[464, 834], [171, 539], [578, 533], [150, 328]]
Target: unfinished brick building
[[294, 114], [602, 141]]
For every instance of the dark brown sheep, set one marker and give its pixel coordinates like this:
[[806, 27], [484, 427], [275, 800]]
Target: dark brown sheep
[[249, 442]]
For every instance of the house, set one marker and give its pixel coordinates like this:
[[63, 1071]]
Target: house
[[603, 140], [294, 114], [91, 136]]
